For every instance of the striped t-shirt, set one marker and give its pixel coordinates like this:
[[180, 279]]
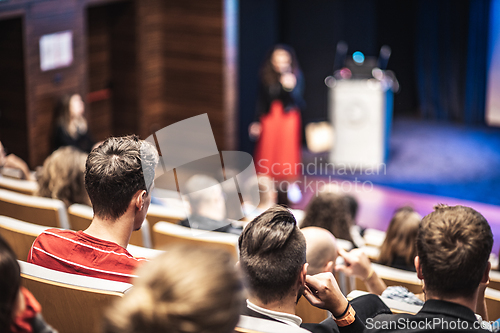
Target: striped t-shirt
[[78, 253]]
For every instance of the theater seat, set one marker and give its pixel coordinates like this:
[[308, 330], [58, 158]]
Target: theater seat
[[249, 324], [20, 235], [309, 313], [492, 297], [42, 211], [28, 187], [494, 280], [71, 303], [374, 237], [165, 234], [143, 252], [157, 213], [394, 277], [80, 217]]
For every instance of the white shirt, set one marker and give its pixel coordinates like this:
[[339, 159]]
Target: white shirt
[[287, 318]]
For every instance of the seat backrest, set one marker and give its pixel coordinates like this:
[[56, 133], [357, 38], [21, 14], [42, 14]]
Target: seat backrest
[[494, 280], [28, 187], [157, 213], [373, 237], [20, 235], [309, 313], [165, 233], [394, 277], [80, 217], [42, 211], [249, 324], [492, 297], [143, 252], [71, 303]]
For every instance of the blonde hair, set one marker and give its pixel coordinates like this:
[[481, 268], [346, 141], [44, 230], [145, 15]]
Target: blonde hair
[[185, 290], [401, 236], [62, 176]]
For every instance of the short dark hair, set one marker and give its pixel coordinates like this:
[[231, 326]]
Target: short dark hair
[[116, 170], [272, 254], [454, 245]]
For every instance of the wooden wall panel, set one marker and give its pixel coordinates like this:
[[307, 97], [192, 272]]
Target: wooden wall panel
[[194, 59], [44, 88], [150, 77], [163, 60], [13, 126], [99, 110]]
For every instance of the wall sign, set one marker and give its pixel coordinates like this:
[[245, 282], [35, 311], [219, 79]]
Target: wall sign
[[56, 50]]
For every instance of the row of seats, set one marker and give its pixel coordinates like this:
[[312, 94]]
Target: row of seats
[[52, 213], [75, 303]]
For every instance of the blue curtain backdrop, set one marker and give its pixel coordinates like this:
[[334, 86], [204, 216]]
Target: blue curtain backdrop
[[451, 64]]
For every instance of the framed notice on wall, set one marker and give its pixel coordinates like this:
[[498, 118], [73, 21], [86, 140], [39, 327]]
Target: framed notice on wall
[[56, 50]]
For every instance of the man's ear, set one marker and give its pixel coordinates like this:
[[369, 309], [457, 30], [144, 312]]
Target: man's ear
[[302, 275], [140, 199], [330, 267], [418, 268], [486, 274]]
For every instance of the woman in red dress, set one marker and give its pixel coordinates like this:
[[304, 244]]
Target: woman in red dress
[[278, 125]]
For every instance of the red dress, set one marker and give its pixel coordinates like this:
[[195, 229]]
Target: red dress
[[277, 153]]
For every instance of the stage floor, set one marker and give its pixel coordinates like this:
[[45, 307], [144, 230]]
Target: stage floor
[[378, 203], [429, 163], [443, 159]]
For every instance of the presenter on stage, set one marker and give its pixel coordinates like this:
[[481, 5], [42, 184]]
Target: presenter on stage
[[278, 122]]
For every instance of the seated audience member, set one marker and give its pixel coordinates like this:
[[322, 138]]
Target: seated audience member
[[453, 248], [208, 207], [186, 290], [322, 252], [119, 178], [330, 210], [19, 310], [399, 248], [71, 127], [14, 162], [273, 262], [62, 177]]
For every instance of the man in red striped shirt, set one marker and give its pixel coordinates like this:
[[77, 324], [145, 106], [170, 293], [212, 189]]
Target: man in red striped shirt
[[119, 178]]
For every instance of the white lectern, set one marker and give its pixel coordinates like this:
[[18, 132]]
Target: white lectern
[[361, 114]]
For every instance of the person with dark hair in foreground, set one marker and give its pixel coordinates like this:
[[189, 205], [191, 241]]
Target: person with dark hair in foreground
[[186, 290], [19, 310], [119, 178], [453, 248], [273, 262]]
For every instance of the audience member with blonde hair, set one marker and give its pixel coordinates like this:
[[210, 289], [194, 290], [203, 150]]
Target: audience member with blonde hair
[[186, 290], [62, 176], [400, 248]]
